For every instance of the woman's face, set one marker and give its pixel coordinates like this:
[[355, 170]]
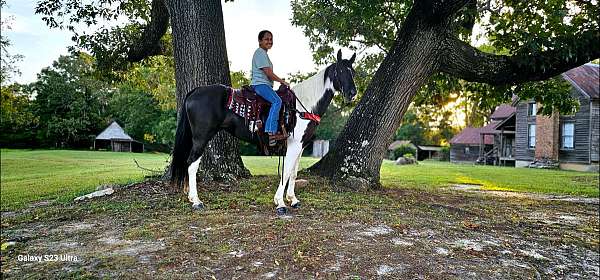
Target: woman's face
[[266, 42]]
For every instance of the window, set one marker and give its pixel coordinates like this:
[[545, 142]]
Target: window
[[568, 133], [532, 109], [531, 133], [467, 150]]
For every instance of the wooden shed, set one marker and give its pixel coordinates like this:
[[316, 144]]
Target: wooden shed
[[114, 138], [466, 147]]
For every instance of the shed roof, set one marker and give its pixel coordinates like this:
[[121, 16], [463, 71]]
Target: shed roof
[[585, 78], [430, 148], [399, 143], [114, 131], [471, 136], [490, 128]]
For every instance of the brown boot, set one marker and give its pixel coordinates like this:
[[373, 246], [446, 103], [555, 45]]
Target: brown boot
[[278, 136]]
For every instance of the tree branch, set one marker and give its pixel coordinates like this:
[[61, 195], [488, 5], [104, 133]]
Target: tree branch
[[468, 63], [486, 6], [440, 10], [387, 11], [149, 44], [367, 43]]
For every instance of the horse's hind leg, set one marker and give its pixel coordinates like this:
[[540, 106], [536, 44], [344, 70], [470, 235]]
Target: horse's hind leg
[[194, 163]]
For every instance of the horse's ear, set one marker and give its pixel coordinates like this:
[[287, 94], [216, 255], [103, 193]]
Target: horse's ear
[[352, 59], [339, 55]]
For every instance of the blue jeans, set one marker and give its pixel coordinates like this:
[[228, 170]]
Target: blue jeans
[[269, 94]]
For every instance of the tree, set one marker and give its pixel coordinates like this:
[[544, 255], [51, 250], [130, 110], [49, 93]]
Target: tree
[[19, 122], [70, 102], [423, 38], [412, 129], [144, 103], [7, 60], [198, 47]]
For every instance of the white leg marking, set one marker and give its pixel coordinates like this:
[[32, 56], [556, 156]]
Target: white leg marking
[[193, 193], [291, 195], [291, 157]]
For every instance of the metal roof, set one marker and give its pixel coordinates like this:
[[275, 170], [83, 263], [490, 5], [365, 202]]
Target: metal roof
[[113, 132], [585, 78], [503, 111], [471, 135]]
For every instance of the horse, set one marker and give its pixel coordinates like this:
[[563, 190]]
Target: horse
[[204, 113]]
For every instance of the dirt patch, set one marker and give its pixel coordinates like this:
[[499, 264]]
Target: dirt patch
[[150, 231]]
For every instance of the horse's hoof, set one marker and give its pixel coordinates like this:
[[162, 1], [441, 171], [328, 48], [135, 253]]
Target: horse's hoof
[[281, 211], [297, 205], [198, 207]]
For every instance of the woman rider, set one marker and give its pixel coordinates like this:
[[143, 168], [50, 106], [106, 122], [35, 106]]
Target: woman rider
[[262, 82]]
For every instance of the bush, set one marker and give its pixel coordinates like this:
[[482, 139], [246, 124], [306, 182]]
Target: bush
[[445, 154], [403, 150]]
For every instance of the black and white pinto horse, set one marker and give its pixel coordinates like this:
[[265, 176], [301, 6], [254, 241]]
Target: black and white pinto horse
[[205, 112]]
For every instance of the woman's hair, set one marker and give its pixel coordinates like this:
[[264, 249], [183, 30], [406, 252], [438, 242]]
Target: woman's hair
[[262, 34]]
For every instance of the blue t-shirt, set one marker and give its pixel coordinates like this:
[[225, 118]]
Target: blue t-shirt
[[260, 59]]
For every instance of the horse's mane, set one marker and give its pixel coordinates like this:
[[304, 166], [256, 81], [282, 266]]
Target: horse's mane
[[310, 90]]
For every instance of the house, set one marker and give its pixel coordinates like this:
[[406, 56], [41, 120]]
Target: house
[[569, 140], [518, 136], [115, 139]]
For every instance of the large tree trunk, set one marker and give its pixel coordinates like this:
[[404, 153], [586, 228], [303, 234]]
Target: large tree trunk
[[357, 156], [201, 59], [425, 45]]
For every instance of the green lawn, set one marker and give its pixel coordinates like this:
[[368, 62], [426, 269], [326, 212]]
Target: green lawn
[[33, 175], [431, 174]]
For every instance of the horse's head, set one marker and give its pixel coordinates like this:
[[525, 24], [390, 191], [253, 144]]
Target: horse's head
[[342, 76]]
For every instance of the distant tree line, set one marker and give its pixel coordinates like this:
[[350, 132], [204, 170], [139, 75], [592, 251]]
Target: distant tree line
[[71, 102]]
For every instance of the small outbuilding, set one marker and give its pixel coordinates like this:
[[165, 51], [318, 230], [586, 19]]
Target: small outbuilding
[[114, 138], [423, 152], [465, 147]]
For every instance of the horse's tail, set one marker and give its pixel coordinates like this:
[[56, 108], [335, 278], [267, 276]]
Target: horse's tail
[[181, 150]]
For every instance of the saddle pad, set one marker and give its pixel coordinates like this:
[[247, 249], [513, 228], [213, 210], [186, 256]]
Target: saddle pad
[[240, 105]]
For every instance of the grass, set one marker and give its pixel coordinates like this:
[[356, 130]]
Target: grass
[[434, 174], [33, 175]]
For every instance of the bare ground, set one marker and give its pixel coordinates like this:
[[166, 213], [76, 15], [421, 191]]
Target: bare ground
[[144, 231]]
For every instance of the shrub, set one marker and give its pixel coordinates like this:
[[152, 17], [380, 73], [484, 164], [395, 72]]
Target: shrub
[[445, 154], [402, 150]]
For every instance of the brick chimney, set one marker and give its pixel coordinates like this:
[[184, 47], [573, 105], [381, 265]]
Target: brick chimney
[[547, 131]]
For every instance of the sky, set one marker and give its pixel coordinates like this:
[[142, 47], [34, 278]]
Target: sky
[[41, 45]]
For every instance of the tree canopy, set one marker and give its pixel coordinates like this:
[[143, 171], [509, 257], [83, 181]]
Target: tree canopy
[[425, 50], [522, 29]]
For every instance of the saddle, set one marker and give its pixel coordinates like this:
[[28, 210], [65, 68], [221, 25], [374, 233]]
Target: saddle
[[254, 109]]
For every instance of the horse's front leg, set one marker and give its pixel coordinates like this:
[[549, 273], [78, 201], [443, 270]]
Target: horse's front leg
[[193, 192], [291, 157], [291, 195]]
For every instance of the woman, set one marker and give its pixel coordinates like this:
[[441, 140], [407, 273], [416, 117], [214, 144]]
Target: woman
[[262, 82]]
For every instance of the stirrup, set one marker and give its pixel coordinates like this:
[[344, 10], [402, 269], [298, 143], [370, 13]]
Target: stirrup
[[272, 142]]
